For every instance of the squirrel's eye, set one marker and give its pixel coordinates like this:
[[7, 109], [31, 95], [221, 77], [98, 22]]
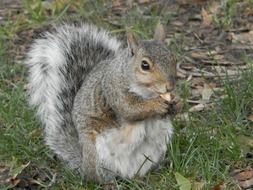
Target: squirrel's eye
[[145, 65]]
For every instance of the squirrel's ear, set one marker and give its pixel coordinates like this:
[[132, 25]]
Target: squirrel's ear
[[159, 34], [132, 43]]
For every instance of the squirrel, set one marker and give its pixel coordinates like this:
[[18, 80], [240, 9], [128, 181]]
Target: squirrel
[[100, 101]]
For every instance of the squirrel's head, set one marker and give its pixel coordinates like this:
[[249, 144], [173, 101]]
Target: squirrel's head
[[154, 66]]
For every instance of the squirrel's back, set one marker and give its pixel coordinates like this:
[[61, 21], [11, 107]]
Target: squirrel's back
[[58, 64]]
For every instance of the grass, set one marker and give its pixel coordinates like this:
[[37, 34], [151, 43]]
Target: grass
[[204, 149], [228, 8]]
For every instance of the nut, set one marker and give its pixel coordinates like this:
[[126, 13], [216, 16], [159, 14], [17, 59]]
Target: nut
[[167, 96]]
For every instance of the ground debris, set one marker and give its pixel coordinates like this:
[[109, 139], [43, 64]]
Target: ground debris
[[244, 177], [220, 186], [26, 177]]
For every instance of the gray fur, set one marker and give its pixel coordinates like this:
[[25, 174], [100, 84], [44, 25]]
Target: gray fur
[[58, 64], [80, 76]]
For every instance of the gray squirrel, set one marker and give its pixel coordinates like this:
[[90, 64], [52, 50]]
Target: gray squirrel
[[100, 103]]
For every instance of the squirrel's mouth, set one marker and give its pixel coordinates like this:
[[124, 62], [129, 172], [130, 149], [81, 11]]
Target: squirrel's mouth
[[159, 91], [162, 89]]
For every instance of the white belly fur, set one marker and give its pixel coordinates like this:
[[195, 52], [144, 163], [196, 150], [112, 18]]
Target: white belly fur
[[124, 151]]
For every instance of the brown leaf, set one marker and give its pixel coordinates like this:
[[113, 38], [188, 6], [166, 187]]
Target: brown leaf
[[177, 23], [188, 66], [206, 92], [246, 184], [183, 117], [245, 140], [198, 185], [200, 106], [219, 186], [14, 181], [206, 18], [117, 3], [218, 57], [4, 174], [198, 55], [250, 117], [196, 108], [181, 75], [243, 37], [244, 177], [188, 2], [214, 7], [179, 104], [144, 1]]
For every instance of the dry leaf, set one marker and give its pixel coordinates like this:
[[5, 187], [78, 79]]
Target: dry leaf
[[183, 117], [198, 107], [177, 23], [188, 66], [117, 3], [187, 2], [181, 75], [183, 182], [219, 186], [206, 18], [214, 7], [198, 55], [189, 78], [243, 37], [245, 140], [179, 104], [244, 177], [143, 1], [246, 184], [198, 185], [218, 57], [168, 41], [250, 117], [201, 107], [206, 92], [4, 174]]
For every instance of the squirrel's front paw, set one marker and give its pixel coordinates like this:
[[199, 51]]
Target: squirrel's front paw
[[161, 106]]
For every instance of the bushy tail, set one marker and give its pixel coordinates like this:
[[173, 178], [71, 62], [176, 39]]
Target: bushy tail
[[58, 64]]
